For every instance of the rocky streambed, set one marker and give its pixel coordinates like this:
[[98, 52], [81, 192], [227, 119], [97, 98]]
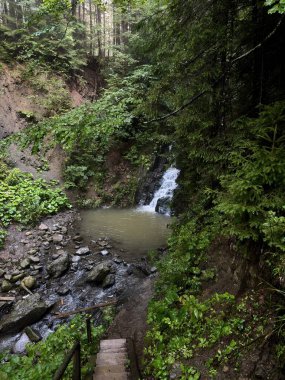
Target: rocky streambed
[[52, 269]]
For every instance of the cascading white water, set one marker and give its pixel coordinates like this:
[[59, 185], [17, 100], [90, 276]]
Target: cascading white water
[[167, 187]]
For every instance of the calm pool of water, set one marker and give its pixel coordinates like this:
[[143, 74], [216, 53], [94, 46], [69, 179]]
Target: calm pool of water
[[134, 231]]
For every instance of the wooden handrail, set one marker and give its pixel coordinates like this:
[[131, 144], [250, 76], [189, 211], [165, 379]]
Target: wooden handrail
[[75, 354]]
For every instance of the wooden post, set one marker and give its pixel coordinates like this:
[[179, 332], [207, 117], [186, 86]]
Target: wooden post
[[76, 375], [88, 329]]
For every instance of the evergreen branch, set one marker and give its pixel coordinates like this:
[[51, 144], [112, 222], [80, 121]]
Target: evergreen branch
[[173, 113], [261, 43]]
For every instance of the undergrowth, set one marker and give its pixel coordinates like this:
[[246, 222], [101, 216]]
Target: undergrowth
[[24, 199]]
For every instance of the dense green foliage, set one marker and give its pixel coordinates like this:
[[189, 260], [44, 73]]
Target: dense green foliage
[[88, 133], [43, 359], [24, 199]]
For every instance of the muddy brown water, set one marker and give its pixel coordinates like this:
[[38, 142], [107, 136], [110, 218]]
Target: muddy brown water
[[133, 231]]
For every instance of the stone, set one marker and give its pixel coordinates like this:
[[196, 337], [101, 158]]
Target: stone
[[24, 313], [20, 346], [77, 237], [105, 252], [75, 259], [34, 259], [83, 251], [59, 266], [8, 277], [57, 238], [17, 277], [103, 243], [38, 267], [46, 245], [99, 273], [29, 282], [162, 205], [25, 263], [2, 272], [226, 369], [32, 251], [28, 233], [63, 291], [64, 230], [117, 260], [43, 227], [153, 270], [33, 336], [6, 286], [109, 281]]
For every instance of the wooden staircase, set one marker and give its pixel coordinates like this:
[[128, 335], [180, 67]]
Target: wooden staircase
[[112, 360]]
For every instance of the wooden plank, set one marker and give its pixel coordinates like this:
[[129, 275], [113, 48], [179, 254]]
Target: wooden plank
[[84, 310], [7, 299]]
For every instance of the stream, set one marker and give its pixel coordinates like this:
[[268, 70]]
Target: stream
[[120, 238]]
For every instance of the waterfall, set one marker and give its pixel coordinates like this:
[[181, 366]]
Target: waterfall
[[163, 195]]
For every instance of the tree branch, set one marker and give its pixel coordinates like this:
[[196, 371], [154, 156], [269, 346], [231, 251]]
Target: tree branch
[[261, 43], [173, 113]]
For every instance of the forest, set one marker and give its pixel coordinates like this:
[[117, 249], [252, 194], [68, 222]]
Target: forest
[[97, 100]]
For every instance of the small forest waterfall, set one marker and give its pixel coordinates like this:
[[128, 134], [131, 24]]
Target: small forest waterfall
[[163, 196]]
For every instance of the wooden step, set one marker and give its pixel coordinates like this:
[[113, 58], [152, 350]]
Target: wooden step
[[113, 343], [111, 359]]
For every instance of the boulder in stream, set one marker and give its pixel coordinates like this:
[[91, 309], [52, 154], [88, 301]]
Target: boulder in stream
[[59, 266], [24, 313], [109, 281], [162, 205], [100, 272]]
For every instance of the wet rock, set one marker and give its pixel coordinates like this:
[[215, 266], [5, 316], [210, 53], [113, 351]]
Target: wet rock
[[59, 266], [117, 260], [57, 238], [83, 251], [144, 268], [109, 281], [162, 205], [77, 238], [24, 313], [33, 336], [105, 252], [25, 263], [99, 273], [63, 291], [130, 269], [6, 286], [29, 282], [20, 346], [43, 227]]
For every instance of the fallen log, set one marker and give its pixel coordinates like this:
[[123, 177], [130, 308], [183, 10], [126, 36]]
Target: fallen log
[[83, 310]]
